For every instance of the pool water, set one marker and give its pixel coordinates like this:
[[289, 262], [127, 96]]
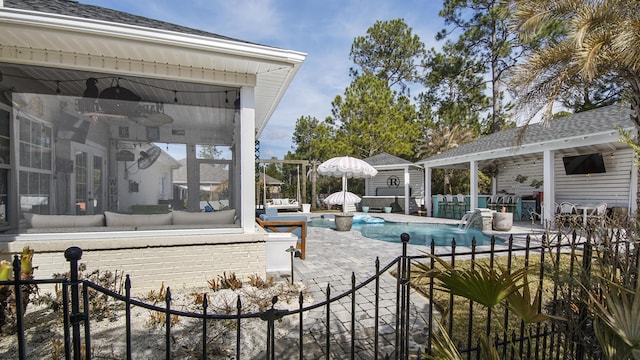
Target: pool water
[[419, 233]]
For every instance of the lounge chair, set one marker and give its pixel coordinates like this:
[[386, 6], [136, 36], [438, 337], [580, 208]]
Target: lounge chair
[[297, 225]]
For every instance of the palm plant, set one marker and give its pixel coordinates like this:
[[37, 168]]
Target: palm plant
[[486, 286], [586, 40], [616, 322]]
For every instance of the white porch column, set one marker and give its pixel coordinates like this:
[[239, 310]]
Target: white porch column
[[193, 179], [407, 185], [548, 168], [247, 211], [427, 190], [473, 186]]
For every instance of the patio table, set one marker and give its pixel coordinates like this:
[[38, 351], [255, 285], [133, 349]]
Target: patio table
[[585, 210]]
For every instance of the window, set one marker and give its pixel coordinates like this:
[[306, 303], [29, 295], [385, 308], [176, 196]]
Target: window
[[35, 165]]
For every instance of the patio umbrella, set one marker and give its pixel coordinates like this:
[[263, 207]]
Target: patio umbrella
[[346, 167], [342, 197]]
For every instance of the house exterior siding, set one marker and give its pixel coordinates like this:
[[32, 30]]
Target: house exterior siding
[[507, 174], [611, 187], [380, 181]]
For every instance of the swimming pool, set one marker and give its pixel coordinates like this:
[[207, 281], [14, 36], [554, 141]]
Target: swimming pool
[[419, 233]]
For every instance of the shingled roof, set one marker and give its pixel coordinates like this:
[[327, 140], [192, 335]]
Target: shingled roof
[[581, 124], [384, 159], [76, 9]]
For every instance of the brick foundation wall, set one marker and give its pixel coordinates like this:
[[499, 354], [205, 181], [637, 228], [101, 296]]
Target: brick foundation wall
[[185, 261]]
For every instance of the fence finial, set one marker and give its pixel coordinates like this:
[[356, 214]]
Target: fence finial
[[73, 253]]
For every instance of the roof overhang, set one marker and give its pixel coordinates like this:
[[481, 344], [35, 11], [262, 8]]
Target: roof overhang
[[396, 167], [603, 141], [58, 41]]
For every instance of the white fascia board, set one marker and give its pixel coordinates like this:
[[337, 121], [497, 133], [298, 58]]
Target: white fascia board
[[256, 52], [557, 144], [396, 167], [279, 94]]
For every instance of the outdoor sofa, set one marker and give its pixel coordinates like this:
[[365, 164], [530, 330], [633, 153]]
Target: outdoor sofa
[[283, 204], [112, 221]]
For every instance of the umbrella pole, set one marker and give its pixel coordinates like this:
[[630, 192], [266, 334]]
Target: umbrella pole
[[344, 194]]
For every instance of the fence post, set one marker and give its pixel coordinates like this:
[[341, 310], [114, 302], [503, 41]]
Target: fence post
[[585, 280], [19, 307], [402, 350], [270, 316], [73, 256]]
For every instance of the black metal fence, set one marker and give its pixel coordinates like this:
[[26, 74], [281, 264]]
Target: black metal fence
[[566, 257]]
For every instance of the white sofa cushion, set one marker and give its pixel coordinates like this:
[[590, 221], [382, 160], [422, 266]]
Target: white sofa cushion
[[38, 221], [115, 219], [204, 218]]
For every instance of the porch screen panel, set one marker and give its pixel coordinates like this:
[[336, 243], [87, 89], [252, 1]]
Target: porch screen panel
[[148, 153]]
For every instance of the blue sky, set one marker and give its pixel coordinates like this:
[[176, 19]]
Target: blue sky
[[324, 30]]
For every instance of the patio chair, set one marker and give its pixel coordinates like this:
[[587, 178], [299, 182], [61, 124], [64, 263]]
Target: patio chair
[[460, 206], [492, 202], [533, 215], [510, 203], [567, 215], [597, 215], [440, 201], [448, 206], [501, 202]]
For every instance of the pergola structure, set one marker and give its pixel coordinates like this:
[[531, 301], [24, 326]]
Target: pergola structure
[[304, 163]]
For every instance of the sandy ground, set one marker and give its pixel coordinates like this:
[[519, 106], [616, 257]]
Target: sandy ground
[[44, 331]]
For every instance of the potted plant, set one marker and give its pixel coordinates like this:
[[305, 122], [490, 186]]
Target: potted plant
[[503, 220], [343, 221]]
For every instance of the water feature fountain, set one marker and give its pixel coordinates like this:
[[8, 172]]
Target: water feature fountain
[[471, 220]]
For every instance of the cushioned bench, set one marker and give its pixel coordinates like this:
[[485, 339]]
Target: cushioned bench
[[283, 204], [112, 221]]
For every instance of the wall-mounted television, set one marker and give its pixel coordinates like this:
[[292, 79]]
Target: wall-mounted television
[[583, 164]]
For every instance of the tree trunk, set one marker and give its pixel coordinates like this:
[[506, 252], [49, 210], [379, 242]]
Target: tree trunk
[[495, 81]]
